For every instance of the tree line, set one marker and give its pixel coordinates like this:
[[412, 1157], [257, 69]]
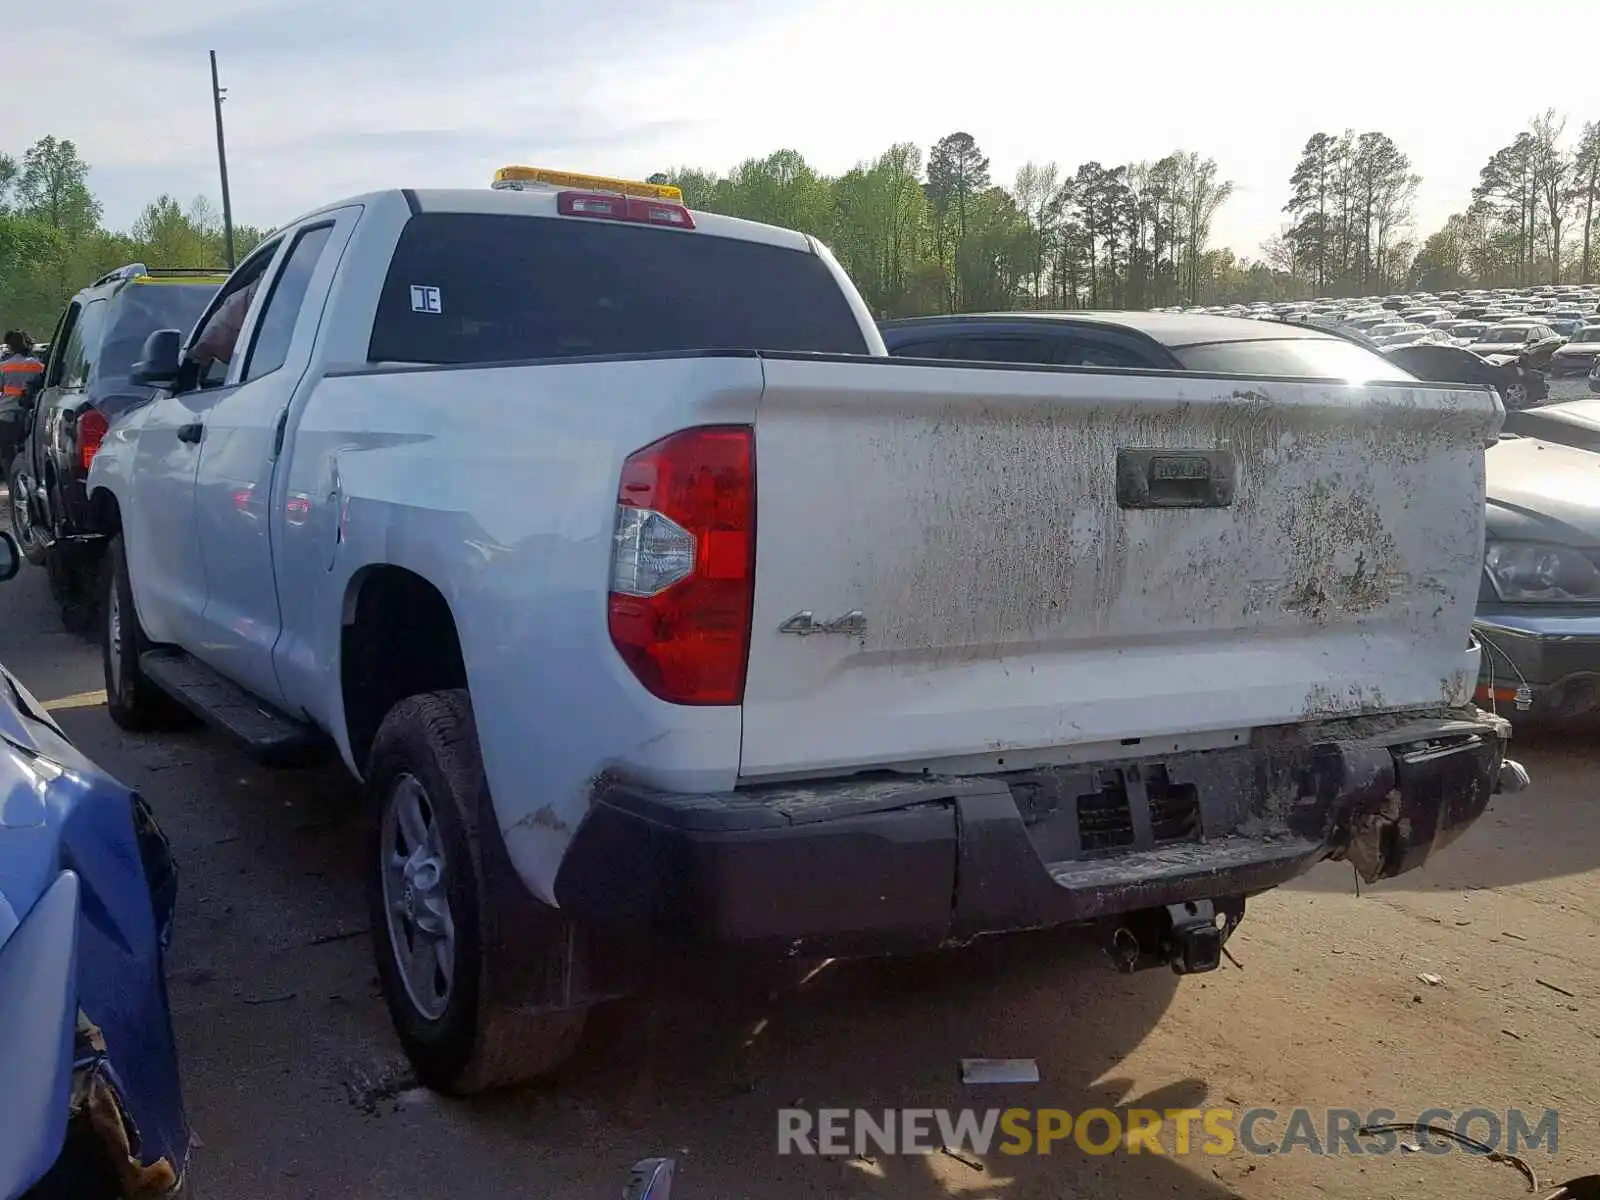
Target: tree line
[[52, 241], [919, 235], [940, 235], [935, 232], [1531, 217]]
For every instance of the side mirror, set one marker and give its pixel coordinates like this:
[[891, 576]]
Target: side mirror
[[158, 364], [10, 557]]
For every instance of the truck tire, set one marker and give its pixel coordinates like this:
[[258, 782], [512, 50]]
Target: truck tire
[[28, 538], [134, 703], [424, 788]]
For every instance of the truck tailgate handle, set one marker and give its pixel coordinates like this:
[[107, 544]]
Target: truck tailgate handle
[[1175, 478], [191, 433]]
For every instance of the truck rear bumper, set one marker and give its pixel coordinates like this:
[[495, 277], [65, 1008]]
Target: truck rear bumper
[[895, 864]]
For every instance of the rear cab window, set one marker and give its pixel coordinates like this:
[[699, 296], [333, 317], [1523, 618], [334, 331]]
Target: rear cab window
[[1294, 358], [468, 288]]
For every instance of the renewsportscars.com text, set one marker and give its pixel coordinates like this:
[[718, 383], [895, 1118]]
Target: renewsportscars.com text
[[1180, 1131]]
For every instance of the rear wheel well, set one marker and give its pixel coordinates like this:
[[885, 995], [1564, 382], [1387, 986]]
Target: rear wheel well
[[104, 513], [399, 639]]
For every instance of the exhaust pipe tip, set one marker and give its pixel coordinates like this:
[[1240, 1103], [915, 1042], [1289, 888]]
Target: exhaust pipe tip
[[1513, 777], [1125, 948]]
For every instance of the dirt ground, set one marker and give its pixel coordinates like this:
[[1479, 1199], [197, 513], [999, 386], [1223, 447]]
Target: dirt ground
[[296, 1086]]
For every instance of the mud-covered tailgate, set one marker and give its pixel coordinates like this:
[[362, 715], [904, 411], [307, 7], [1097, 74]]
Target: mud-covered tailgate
[[961, 561]]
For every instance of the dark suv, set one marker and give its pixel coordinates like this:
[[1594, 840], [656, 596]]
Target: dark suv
[[86, 388]]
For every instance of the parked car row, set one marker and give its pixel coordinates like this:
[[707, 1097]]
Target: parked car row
[[1550, 302], [1549, 330]]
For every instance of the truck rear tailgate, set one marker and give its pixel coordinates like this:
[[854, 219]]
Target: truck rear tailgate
[[1055, 558]]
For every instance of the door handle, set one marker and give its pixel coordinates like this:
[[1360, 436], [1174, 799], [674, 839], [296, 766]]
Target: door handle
[[191, 432]]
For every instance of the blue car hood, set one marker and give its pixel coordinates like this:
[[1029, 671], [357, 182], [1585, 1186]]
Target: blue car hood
[[67, 827], [30, 835]]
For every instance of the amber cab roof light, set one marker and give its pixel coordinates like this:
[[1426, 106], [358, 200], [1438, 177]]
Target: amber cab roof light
[[517, 179]]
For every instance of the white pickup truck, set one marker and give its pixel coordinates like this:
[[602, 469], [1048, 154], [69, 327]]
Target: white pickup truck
[[654, 605]]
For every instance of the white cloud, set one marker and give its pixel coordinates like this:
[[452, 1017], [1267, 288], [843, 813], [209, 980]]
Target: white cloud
[[329, 97]]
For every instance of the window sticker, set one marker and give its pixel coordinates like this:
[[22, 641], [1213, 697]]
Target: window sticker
[[425, 299]]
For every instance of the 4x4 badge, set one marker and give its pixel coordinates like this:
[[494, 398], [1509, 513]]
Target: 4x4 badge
[[852, 624]]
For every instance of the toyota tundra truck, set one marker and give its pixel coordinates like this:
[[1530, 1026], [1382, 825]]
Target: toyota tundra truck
[[654, 605]]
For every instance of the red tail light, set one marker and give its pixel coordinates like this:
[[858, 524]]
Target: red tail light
[[611, 207], [683, 564], [92, 426]]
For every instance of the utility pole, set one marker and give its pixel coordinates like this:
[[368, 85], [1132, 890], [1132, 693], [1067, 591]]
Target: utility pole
[[218, 94]]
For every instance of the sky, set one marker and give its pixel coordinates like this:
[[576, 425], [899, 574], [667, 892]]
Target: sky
[[329, 98]]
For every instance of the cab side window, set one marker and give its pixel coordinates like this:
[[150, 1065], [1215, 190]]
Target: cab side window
[[217, 336], [58, 344], [275, 327], [83, 346]]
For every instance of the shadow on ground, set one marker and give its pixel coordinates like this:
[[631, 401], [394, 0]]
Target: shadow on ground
[[703, 1071]]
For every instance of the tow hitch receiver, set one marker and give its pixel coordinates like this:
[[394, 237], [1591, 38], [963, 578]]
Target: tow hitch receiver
[[1188, 937]]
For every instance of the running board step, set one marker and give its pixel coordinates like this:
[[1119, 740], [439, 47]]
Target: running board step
[[269, 735]]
